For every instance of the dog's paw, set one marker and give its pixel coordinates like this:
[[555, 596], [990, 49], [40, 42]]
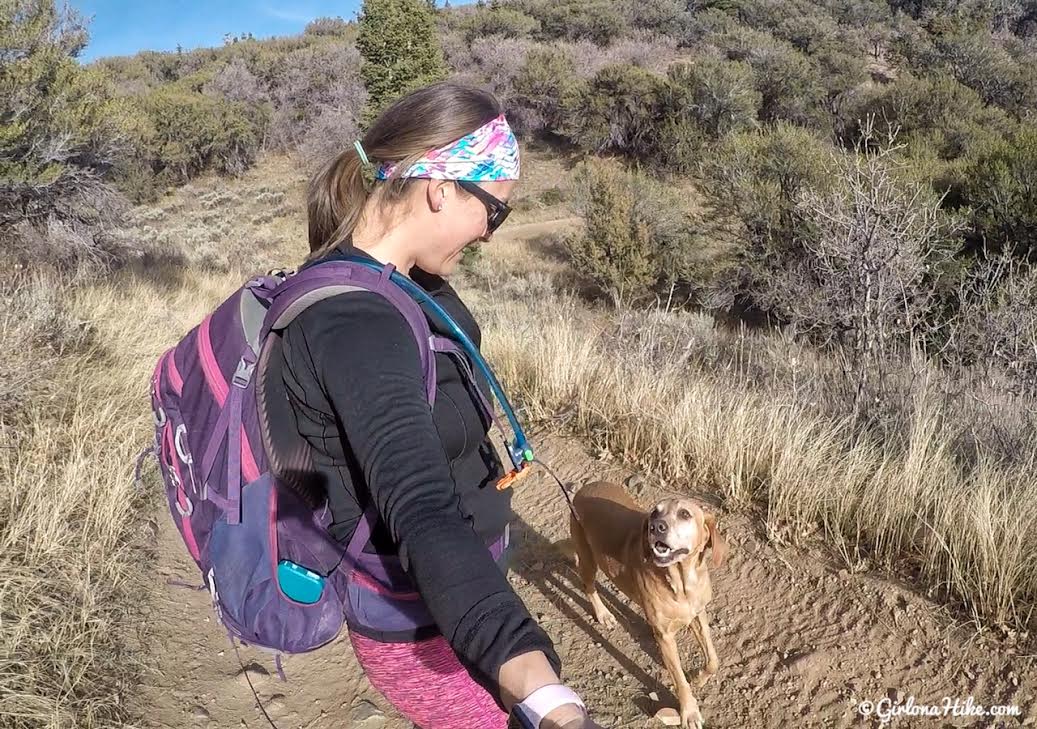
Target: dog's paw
[[691, 716], [606, 618], [694, 720]]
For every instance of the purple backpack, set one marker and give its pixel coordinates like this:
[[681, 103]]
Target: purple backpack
[[239, 516]]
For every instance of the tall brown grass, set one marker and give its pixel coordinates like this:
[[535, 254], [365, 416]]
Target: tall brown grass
[[70, 517]]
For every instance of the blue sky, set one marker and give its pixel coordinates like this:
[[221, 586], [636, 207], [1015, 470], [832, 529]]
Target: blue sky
[[123, 27]]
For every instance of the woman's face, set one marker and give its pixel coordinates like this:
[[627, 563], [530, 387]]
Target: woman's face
[[456, 220]]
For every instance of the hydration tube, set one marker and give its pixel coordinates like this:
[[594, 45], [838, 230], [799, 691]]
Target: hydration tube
[[519, 451]]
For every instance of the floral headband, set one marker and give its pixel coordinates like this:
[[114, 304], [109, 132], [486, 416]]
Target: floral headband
[[489, 153]]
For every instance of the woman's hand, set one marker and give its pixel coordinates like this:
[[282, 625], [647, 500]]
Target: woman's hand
[[522, 675]]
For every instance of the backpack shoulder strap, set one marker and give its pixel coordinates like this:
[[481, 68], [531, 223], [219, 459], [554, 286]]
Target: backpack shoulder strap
[[333, 277]]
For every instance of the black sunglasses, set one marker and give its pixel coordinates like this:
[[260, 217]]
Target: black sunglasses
[[496, 210]]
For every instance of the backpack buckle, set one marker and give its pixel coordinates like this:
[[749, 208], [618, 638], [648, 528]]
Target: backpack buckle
[[243, 374]]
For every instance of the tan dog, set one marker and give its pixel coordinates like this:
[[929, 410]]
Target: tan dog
[[657, 558]]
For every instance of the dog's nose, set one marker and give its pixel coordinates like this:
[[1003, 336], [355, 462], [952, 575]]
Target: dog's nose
[[658, 526]]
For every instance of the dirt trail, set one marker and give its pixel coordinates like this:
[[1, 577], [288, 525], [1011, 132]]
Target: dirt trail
[[526, 231], [798, 640]]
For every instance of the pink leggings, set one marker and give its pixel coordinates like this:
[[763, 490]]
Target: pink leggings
[[427, 684]]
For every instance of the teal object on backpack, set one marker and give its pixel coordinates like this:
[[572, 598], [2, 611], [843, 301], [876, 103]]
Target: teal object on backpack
[[299, 583]]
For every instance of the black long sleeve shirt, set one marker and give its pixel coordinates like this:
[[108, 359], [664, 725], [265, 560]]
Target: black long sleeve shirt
[[352, 372]]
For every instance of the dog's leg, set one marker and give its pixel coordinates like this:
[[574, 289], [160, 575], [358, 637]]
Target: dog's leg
[[700, 627], [588, 567], [689, 707]]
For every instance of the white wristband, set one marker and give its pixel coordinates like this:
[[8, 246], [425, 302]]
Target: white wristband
[[532, 709]]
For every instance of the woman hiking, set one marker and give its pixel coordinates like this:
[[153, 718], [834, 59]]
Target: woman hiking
[[431, 176]]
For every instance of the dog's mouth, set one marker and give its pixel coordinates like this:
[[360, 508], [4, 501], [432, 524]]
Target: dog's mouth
[[665, 554]]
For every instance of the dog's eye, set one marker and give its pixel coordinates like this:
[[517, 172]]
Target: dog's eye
[[684, 514]]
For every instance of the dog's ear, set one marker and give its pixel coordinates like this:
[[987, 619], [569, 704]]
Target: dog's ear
[[715, 541]]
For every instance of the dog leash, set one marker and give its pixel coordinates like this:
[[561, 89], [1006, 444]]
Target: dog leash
[[565, 490]]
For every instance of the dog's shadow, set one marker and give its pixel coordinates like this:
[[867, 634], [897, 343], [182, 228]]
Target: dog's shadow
[[557, 579]]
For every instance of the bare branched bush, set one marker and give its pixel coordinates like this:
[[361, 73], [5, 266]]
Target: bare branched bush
[[641, 48], [456, 51], [78, 233], [330, 133], [235, 82], [327, 26], [498, 60], [871, 249], [311, 82]]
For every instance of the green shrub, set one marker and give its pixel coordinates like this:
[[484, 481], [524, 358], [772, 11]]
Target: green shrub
[[840, 73], [790, 87], [752, 184], [788, 81], [324, 26], [681, 144], [598, 21], [636, 231], [499, 20], [59, 136], [545, 89], [397, 40], [669, 17], [937, 109], [718, 95], [188, 133], [1000, 186], [620, 111]]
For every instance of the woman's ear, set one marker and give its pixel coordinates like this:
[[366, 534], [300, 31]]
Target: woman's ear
[[437, 194]]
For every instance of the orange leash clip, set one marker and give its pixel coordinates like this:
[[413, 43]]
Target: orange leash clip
[[509, 479]]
